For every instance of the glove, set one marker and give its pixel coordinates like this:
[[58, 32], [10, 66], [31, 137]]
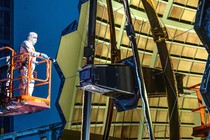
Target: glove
[[44, 56]]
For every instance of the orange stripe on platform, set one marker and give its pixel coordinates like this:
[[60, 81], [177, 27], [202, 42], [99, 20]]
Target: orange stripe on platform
[[35, 99]]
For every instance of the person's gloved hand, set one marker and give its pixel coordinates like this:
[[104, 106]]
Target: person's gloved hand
[[44, 56]]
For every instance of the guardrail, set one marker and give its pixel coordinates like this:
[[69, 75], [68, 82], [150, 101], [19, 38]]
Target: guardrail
[[14, 65]]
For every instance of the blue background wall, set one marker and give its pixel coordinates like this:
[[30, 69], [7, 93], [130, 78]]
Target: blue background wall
[[48, 18]]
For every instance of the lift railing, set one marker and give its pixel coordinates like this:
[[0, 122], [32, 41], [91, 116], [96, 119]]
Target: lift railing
[[11, 72], [203, 129], [14, 66]]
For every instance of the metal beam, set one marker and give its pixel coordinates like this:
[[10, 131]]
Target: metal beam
[[122, 27], [115, 57], [89, 54], [131, 34], [141, 125], [168, 9], [160, 36]]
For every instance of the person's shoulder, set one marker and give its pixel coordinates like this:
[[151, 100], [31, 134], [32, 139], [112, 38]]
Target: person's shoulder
[[27, 43]]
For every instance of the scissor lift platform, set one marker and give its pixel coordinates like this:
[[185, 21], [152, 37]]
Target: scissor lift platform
[[16, 104], [27, 105]]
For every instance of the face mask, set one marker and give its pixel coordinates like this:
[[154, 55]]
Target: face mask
[[34, 40]]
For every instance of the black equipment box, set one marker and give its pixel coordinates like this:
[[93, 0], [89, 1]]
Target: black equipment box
[[113, 80], [120, 81]]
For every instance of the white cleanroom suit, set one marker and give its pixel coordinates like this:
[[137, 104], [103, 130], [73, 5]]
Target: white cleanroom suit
[[28, 47]]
